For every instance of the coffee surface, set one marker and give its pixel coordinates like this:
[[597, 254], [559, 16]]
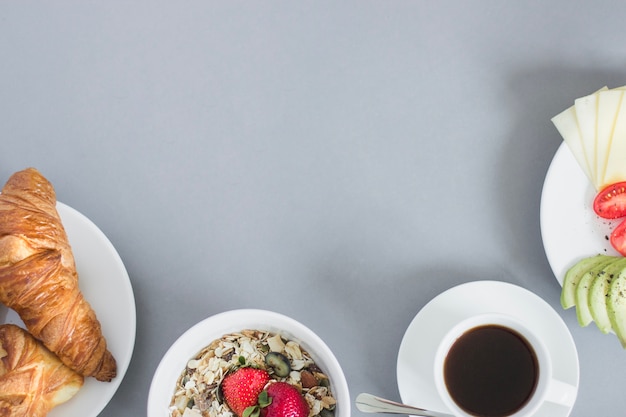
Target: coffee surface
[[491, 371]]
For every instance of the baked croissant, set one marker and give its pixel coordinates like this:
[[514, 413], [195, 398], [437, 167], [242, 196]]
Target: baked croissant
[[32, 380], [38, 277]]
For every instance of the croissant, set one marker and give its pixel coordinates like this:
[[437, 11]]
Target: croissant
[[38, 277], [32, 380]]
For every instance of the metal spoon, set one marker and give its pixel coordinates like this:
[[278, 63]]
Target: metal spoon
[[369, 403]]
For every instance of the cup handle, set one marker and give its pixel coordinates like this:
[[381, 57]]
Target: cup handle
[[561, 393]]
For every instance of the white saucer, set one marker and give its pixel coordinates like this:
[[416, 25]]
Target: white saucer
[[417, 350], [105, 283]]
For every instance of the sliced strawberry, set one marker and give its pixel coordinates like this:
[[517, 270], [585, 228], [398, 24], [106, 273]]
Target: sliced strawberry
[[241, 388], [286, 401]]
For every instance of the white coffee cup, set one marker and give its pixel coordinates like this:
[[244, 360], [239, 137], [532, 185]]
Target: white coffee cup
[[546, 388]]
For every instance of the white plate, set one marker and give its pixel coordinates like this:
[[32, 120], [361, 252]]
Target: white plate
[[417, 350], [105, 284], [202, 334], [570, 229]]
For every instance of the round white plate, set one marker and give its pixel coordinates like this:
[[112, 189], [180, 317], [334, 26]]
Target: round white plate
[[105, 284], [202, 334], [570, 229], [417, 350]]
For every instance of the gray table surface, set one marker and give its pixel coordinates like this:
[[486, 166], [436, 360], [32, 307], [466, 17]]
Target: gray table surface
[[338, 162]]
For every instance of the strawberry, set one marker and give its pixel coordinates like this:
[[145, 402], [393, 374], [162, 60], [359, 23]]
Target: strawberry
[[241, 388], [285, 401]]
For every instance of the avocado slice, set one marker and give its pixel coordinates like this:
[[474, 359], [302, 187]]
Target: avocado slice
[[574, 274], [598, 293], [616, 306], [583, 313]]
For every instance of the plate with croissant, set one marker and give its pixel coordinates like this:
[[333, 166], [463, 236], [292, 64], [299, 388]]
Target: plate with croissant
[[67, 309]]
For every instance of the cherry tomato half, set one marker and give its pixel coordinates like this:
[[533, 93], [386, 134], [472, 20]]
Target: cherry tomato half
[[618, 238], [610, 203]]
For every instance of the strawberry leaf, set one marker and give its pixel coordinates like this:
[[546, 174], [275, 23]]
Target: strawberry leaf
[[252, 411], [264, 399]]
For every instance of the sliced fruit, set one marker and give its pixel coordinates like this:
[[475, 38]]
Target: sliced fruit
[[618, 238], [573, 276], [616, 306], [279, 363], [610, 202], [583, 314], [598, 292]]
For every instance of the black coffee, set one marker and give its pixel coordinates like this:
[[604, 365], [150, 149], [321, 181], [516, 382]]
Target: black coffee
[[491, 371]]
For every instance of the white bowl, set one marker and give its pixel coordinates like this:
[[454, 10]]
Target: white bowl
[[193, 340]]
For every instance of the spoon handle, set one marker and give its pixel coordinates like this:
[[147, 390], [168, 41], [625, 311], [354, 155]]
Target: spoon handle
[[369, 403]]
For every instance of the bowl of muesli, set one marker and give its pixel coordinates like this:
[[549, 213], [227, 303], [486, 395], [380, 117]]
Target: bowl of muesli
[[249, 363]]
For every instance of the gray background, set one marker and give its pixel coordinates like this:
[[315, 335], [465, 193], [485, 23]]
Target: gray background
[[338, 162]]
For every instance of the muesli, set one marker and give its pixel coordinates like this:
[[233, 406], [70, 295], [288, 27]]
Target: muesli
[[198, 393]]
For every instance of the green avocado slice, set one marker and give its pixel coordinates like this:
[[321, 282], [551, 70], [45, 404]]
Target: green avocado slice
[[583, 313], [598, 293], [573, 276], [616, 306]]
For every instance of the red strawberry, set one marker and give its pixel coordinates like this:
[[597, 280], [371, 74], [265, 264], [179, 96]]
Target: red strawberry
[[241, 388], [286, 401]]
